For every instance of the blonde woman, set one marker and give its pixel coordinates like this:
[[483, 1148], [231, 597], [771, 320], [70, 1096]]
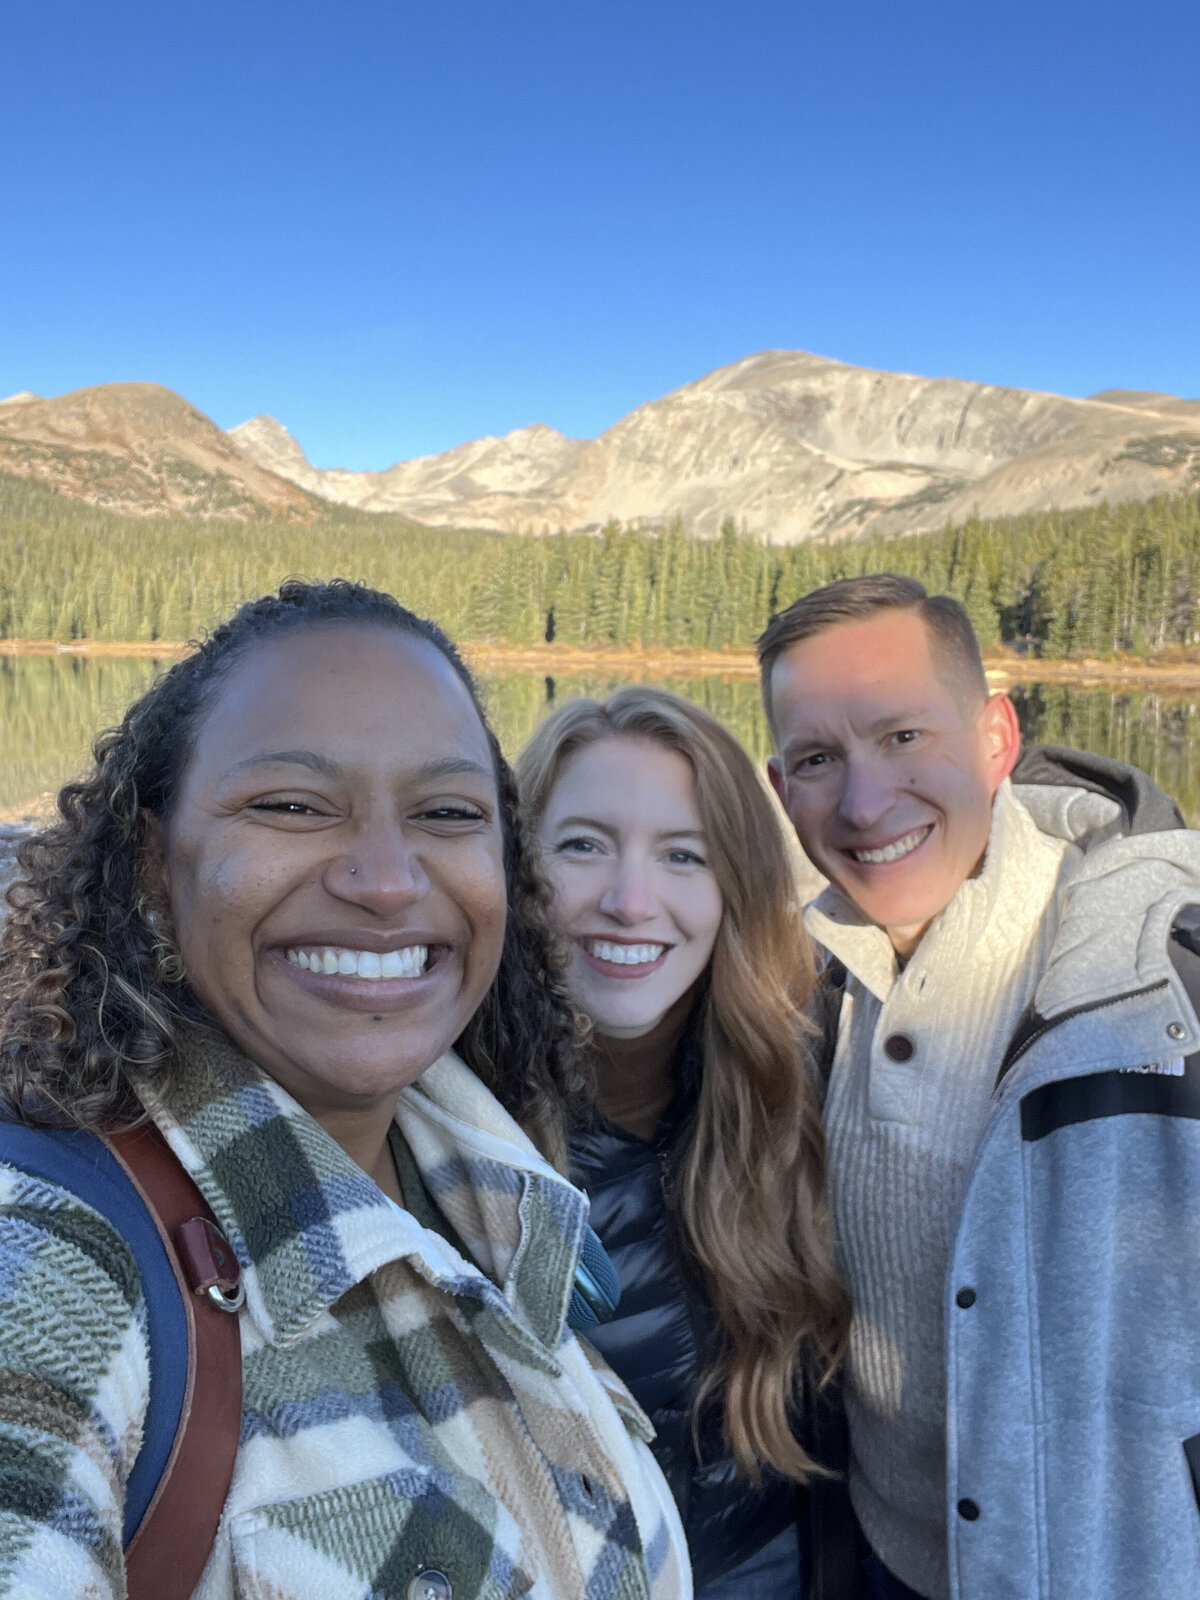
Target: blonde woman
[[704, 1158]]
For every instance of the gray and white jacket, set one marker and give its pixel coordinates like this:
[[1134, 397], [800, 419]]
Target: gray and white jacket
[[1073, 1291]]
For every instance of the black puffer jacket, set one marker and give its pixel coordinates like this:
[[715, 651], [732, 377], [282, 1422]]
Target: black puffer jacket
[[660, 1341]]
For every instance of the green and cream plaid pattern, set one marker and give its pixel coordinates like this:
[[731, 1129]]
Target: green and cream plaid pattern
[[404, 1409]]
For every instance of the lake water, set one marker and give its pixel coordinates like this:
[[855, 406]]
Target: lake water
[[52, 706]]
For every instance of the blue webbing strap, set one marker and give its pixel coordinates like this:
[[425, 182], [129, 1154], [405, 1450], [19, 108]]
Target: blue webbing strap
[[596, 1292], [82, 1163]]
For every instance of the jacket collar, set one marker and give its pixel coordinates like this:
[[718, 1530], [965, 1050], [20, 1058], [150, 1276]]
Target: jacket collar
[[307, 1223]]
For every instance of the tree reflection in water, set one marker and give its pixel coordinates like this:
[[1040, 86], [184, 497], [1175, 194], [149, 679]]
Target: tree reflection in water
[[51, 707]]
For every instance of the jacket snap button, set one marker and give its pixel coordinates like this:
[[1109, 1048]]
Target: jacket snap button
[[968, 1510], [965, 1298], [1175, 1030], [899, 1047], [430, 1585]]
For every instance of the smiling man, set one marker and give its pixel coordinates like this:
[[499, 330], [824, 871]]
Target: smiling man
[[1011, 1112]]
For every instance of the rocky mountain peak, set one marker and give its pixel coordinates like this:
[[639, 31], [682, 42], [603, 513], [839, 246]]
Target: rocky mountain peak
[[140, 448], [265, 439], [795, 445]]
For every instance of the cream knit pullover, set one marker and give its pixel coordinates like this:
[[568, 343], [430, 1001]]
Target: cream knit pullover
[[917, 1056]]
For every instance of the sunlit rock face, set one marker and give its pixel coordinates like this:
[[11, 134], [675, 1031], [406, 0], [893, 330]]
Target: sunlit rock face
[[140, 449], [792, 446]]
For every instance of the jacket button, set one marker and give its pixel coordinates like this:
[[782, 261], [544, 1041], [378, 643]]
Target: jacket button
[[968, 1510], [430, 1585], [965, 1298], [1175, 1030], [899, 1047]]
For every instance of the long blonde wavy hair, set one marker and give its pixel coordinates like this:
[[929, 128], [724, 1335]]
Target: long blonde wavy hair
[[750, 1190]]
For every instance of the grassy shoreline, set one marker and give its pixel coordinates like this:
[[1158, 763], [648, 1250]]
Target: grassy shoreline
[[1003, 667]]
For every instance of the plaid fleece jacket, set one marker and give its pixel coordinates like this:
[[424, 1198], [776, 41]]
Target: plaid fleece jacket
[[403, 1408]]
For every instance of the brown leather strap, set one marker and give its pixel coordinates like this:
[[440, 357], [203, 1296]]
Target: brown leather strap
[[166, 1555]]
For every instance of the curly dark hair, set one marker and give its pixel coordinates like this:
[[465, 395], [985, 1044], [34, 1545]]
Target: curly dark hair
[[92, 993]]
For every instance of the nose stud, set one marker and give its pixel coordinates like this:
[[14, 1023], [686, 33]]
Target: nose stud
[[353, 870]]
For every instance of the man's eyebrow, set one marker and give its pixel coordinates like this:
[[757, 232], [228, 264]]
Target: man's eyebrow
[[907, 717], [312, 759], [796, 747]]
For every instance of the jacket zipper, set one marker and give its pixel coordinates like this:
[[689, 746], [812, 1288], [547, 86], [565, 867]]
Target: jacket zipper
[[1011, 1059]]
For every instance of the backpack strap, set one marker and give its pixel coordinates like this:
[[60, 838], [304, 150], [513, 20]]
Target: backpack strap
[[178, 1484], [167, 1554], [83, 1164]]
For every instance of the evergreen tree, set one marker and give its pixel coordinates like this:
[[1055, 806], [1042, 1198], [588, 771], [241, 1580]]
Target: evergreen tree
[[1091, 581]]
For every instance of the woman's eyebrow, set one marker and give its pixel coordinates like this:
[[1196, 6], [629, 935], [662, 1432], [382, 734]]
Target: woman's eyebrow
[[451, 767], [606, 827], [443, 767], [585, 822], [312, 759]]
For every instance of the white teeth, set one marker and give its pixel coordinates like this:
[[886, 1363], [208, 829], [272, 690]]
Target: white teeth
[[894, 851], [624, 955], [406, 963]]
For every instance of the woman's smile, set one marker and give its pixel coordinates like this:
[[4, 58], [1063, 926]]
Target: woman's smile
[[623, 959], [409, 961], [387, 978]]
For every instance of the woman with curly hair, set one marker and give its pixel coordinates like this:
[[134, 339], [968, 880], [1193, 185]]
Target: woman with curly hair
[[291, 921], [703, 1156]]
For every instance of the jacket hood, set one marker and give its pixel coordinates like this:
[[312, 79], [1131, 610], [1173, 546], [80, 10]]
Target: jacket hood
[[1135, 883], [1090, 799]]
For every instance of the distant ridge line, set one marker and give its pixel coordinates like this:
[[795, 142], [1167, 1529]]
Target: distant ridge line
[[791, 446]]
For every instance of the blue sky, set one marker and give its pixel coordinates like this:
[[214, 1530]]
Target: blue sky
[[399, 224]]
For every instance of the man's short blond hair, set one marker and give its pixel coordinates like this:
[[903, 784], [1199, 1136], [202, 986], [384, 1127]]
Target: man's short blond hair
[[952, 640]]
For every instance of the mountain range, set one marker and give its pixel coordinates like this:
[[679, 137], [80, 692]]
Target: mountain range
[[140, 449], [791, 445]]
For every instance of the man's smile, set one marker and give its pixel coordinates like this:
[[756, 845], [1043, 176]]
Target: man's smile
[[893, 850]]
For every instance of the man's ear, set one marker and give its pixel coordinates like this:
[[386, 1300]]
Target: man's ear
[[775, 778], [1002, 735]]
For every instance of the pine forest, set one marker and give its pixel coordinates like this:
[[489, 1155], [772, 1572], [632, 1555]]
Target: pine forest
[[1093, 582]]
